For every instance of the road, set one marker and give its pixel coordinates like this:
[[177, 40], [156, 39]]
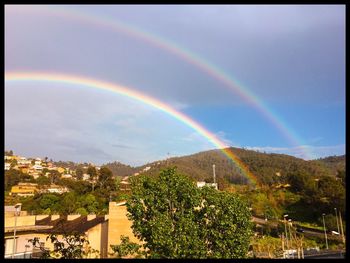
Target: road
[[307, 232], [330, 254]]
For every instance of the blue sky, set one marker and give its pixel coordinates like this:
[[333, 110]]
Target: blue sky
[[292, 58]]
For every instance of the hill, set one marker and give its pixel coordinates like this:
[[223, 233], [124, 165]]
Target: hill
[[269, 168], [119, 169], [334, 163]]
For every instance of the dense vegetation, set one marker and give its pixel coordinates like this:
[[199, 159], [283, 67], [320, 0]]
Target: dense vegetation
[[84, 197], [288, 185], [176, 219]]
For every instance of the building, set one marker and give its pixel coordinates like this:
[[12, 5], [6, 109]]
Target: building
[[24, 189], [37, 167], [40, 226], [55, 189], [86, 177], [125, 184], [23, 162], [68, 176], [7, 166], [119, 225], [101, 231], [202, 184]]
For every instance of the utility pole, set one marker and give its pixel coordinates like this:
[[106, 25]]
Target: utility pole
[[17, 213], [336, 216], [285, 230], [325, 234], [290, 235], [214, 173], [341, 227]]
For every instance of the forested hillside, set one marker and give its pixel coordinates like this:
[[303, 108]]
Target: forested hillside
[[268, 168]]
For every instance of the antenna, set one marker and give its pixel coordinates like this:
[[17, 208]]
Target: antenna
[[214, 173]]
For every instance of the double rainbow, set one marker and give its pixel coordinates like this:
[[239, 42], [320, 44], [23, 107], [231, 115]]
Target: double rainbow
[[122, 90], [110, 23]]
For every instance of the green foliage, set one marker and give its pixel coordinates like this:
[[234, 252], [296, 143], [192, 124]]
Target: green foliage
[[42, 180], [330, 222], [127, 249], [82, 211], [176, 219], [12, 177], [106, 180], [79, 173], [92, 172], [54, 177], [119, 169], [72, 246], [51, 201]]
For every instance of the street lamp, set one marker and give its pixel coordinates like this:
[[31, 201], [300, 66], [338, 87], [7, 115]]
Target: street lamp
[[290, 233], [336, 216], [18, 209], [285, 230], [325, 234]]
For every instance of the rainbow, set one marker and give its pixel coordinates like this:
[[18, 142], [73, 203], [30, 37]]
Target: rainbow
[[101, 85], [184, 54]]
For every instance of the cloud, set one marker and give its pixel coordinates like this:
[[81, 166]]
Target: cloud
[[123, 146], [299, 151], [237, 39]]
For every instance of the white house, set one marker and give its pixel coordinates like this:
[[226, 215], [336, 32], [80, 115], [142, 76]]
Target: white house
[[67, 176], [37, 167], [86, 177], [7, 166], [202, 184]]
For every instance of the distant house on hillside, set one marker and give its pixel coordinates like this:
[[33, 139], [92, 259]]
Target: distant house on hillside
[[56, 189], [202, 184], [86, 177], [24, 189], [125, 184]]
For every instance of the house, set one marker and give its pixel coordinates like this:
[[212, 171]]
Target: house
[[7, 166], [24, 189], [125, 184], [40, 226], [67, 176], [202, 184], [86, 177], [101, 231], [56, 189], [37, 167], [23, 162]]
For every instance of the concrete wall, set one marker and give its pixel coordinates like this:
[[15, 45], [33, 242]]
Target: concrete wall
[[22, 241], [94, 237], [119, 224], [21, 221]]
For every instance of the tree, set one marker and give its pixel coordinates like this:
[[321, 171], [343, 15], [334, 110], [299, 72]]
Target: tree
[[54, 177], [127, 249], [106, 183], [92, 172], [42, 180], [12, 177], [79, 173], [72, 246], [51, 201], [175, 219]]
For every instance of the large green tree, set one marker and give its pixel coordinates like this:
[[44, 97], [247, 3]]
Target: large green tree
[[175, 219]]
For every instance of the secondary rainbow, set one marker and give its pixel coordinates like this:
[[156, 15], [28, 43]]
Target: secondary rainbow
[[122, 90], [183, 53]]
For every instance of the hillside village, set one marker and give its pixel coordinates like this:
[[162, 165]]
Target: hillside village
[[91, 199], [37, 167]]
